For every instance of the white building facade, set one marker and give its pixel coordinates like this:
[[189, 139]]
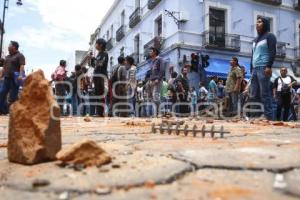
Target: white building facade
[[218, 28]]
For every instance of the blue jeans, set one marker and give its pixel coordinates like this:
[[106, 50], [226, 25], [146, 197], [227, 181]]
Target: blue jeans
[[9, 87], [234, 101], [261, 91], [75, 103]]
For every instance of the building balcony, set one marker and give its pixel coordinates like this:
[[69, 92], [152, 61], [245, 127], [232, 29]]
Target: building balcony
[[272, 2], [109, 44], [229, 42], [156, 42], [135, 18], [153, 3], [281, 50], [120, 34], [297, 4]]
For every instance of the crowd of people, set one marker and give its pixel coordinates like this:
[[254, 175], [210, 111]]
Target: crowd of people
[[89, 90]]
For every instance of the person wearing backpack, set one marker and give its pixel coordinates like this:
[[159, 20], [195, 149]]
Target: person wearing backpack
[[282, 93], [118, 80]]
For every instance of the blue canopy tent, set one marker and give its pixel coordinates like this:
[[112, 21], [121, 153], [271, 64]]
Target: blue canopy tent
[[220, 67]]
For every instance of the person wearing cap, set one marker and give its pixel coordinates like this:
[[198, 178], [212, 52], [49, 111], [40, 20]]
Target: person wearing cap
[[263, 56], [100, 74], [14, 64]]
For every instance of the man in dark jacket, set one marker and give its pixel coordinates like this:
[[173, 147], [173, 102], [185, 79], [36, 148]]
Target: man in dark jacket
[[100, 76], [263, 56], [157, 74]]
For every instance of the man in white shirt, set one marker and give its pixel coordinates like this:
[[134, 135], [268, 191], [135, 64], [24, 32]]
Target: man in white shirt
[[282, 93]]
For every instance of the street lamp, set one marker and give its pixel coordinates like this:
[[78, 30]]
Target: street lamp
[[19, 3]]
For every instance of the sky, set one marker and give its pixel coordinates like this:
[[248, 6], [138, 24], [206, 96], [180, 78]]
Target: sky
[[51, 30]]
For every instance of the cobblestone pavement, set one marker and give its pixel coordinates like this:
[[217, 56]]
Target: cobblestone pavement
[[256, 161]]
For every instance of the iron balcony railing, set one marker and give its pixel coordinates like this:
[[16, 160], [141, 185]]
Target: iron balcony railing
[[120, 33], [109, 44], [135, 18], [157, 42], [281, 50], [153, 3], [272, 2], [221, 41]]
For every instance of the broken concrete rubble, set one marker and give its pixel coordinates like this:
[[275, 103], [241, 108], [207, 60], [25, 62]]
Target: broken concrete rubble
[[34, 125], [86, 153]]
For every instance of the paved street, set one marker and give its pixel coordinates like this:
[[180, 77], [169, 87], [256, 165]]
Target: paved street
[[258, 160]]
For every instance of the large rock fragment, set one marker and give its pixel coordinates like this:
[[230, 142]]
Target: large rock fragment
[[86, 153], [34, 126]]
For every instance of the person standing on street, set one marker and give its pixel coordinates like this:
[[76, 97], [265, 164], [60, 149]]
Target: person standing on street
[[14, 64], [132, 82], [156, 77], [233, 85], [100, 74], [120, 89], [212, 90], [58, 77], [183, 92], [283, 94], [263, 56]]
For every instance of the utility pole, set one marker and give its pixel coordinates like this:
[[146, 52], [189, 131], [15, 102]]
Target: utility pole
[[5, 6]]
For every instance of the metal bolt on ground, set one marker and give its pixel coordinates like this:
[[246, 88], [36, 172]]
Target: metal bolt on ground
[[170, 128]]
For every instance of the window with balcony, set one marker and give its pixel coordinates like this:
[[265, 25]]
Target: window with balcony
[[135, 18], [217, 27], [216, 37], [158, 26], [297, 4], [153, 3], [109, 44], [120, 34]]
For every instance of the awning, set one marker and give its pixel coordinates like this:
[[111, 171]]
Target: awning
[[221, 67]]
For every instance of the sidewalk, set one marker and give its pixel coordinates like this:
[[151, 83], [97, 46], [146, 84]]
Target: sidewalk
[[247, 164]]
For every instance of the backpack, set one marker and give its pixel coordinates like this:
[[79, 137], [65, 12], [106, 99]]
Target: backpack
[[285, 88], [115, 75], [59, 74]]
